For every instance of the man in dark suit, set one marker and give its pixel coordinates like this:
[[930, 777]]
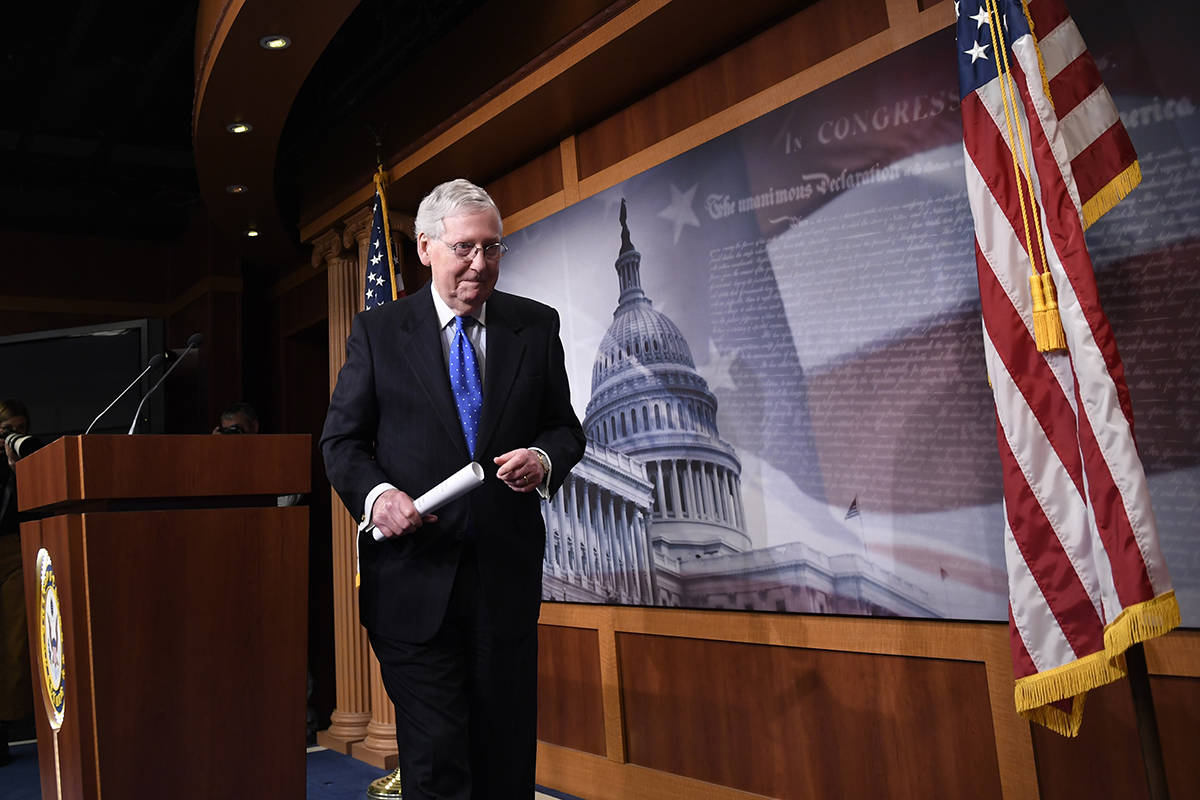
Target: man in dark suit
[[453, 373]]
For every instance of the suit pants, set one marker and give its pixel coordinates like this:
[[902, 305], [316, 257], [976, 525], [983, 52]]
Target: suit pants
[[466, 702]]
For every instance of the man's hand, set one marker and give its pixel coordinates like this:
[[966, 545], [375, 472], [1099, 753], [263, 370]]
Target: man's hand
[[395, 515], [520, 469], [9, 454]]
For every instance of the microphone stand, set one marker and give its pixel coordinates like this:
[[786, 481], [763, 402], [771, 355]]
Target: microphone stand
[[192, 343], [154, 361]]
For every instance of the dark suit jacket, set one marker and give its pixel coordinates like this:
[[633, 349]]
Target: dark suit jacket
[[392, 419]]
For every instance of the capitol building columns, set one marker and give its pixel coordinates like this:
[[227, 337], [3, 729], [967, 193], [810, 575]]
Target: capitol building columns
[[598, 522]]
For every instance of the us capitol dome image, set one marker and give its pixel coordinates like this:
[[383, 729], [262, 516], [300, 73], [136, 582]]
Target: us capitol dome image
[[653, 514]]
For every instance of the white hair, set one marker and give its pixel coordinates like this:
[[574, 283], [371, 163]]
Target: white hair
[[448, 199]]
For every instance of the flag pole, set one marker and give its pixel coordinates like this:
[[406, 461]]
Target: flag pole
[[380, 184], [1147, 723]]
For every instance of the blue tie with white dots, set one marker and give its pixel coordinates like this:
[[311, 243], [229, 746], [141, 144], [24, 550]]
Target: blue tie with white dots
[[464, 380]]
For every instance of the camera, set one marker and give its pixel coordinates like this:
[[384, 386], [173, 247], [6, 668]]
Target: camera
[[22, 444]]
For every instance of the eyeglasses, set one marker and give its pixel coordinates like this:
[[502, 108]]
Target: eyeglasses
[[466, 250]]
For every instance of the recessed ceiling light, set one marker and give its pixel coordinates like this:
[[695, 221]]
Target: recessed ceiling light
[[237, 188], [251, 233], [239, 127], [275, 42]]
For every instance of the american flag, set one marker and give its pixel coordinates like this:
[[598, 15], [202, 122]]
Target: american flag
[[1045, 155], [381, 284]]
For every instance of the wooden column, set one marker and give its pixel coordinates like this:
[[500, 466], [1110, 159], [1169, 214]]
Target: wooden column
[[352, 712], [378, 746]]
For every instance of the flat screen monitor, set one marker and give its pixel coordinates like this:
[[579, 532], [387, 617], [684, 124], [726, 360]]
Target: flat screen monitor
[[67, 376]]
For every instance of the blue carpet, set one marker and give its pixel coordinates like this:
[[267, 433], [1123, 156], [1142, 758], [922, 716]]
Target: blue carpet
[[19, 779], [331, 776]]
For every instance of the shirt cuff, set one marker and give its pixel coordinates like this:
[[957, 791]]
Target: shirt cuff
[[365, 523], [543, 488]]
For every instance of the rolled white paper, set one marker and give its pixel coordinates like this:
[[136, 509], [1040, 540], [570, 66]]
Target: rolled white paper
[[468, 478]]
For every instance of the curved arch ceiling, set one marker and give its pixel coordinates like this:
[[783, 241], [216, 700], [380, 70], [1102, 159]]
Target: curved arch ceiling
[[239, 81]]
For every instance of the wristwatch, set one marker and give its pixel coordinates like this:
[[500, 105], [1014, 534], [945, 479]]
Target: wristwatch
[[544, 461]]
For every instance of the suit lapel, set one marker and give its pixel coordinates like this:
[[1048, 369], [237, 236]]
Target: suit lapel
[[505, 351], [421, 344]]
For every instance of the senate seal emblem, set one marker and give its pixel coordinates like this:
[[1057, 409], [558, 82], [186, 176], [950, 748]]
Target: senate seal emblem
[[51, 637]]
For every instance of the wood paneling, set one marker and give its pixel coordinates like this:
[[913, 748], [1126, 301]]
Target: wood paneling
[[165, 588], [532, 32], [535, 180], [818, 32], [250, 465], [791, 722], [618, 59], [1105, 759], [1177, 705], [570, 701]]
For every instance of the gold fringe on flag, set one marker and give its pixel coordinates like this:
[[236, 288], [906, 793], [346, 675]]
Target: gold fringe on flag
[[1141, 622], [1035, 694], [1064, 723], [1104, 200]]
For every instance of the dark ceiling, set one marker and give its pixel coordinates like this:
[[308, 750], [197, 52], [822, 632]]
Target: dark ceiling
[[94, 131], [95, 125], [96, 107]]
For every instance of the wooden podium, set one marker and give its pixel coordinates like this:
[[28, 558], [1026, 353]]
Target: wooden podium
[[181, 590]]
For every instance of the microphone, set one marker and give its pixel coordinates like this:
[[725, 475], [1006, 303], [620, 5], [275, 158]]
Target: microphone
[[193, 342], [155, 360]]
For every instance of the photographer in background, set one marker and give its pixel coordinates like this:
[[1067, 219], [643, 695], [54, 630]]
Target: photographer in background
[[16, 695], [238, 418]]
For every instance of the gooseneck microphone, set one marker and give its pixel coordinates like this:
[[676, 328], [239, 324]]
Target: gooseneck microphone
[[193, 342], [155, 360]]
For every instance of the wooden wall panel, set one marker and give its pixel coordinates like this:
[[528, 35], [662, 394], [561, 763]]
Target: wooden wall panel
[[532, 182], [183, 581], [570, 703], [305, 304], [1177, 705], [1105, 760], [790, 722], [818, 32]]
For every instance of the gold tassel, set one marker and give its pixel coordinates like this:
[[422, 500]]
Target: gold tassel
[[1055, 339], [1039, 312]]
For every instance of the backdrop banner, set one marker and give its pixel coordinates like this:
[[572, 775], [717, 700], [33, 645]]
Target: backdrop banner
[[774, 342]]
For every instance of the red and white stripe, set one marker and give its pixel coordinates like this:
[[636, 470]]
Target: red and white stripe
[[1095, 140], [1080, 537]]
